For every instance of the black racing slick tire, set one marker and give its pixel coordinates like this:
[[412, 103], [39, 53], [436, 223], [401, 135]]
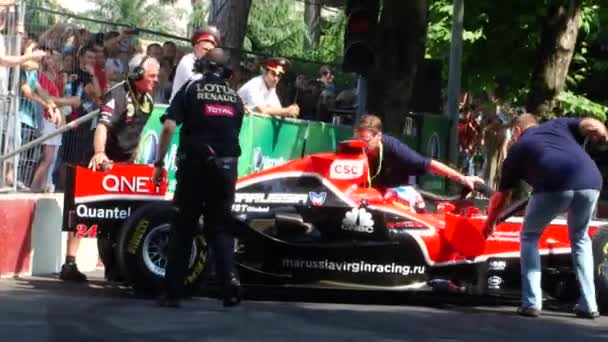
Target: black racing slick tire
[[106, 247], [600, 257], [142, 251]]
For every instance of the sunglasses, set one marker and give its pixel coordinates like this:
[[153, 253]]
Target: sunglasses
[[276, 74]]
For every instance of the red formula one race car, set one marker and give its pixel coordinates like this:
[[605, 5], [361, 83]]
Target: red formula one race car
[[313, 222]]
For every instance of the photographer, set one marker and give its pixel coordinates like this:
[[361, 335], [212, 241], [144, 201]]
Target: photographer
[[211, 114]]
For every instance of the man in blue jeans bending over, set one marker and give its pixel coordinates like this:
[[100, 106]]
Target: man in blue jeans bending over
[[564, 178]]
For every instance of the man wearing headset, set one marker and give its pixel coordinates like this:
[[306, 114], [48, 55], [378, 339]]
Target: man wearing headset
[[124, 112]]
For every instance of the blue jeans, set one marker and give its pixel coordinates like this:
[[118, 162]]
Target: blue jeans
[[543, 208]]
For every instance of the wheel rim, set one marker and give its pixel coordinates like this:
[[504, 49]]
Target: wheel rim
[[154, 250]]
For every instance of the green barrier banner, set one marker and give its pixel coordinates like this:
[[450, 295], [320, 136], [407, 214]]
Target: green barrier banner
[[434, 135], [412, 129], [148, 145], [265, 142], [322, 137]]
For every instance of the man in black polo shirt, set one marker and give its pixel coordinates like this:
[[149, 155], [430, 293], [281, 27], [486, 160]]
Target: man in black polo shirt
[[550, 158], [124, 112], [211, 114]]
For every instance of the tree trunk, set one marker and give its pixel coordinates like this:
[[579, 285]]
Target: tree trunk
[[230, 17], [401, 43], [554, 55], [312, 19]]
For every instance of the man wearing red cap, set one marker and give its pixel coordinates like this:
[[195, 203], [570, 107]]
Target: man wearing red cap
[[260, 94], [203, 40]]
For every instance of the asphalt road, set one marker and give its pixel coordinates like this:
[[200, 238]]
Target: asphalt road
[[44, 309]]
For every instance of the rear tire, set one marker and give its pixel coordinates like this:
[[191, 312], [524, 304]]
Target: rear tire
[[107, 253], [600, 257], [142, 248]]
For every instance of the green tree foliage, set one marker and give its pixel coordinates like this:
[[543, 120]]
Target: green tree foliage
[[275, 27], [198, 16], [439, 30], [147, 14], [581, 106], [589, 67], [36, 21], [501, 42]]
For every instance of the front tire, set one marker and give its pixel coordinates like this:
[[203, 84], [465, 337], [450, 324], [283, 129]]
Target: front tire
[[142, 250], [600, 257]]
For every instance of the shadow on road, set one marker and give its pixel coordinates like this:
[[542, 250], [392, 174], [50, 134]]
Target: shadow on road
[[107, 312], [98, 287]]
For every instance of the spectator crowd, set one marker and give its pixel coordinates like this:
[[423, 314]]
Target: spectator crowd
[[66, 70]]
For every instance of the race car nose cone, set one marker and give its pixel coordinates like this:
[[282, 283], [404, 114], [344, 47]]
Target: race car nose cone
[[464, 235]]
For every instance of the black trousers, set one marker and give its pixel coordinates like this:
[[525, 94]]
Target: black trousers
[[203, 187]]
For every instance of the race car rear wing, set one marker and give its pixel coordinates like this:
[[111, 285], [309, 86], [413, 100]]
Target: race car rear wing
[[98, 202]]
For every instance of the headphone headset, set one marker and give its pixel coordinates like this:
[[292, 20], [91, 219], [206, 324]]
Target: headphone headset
[[137, 74]]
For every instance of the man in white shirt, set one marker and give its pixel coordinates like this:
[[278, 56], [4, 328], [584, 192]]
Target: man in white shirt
[[260, 94], [203, 40]]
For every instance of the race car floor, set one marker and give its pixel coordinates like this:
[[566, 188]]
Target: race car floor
[[45, 309]]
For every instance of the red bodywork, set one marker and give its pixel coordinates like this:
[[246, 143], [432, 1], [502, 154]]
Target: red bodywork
[[445, 237], [122, 182], [102, 200]]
